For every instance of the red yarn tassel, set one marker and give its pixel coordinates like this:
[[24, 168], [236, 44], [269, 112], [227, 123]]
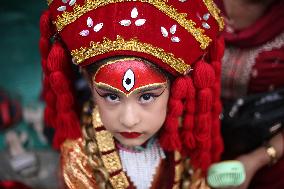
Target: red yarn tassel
[[169, 138], [203, 80], [204, 75], [187, 132], [49, 117], [188, 122], [204, 100], [68, 127]]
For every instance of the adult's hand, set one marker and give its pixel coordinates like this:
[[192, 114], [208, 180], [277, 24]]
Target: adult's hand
[[259, 158]]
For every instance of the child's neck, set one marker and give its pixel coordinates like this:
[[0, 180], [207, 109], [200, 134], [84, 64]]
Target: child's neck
[[148, 144]]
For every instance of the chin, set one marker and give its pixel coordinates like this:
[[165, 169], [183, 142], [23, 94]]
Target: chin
[[131, 142]]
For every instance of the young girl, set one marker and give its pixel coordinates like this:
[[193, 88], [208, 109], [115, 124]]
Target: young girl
[[154, 71]]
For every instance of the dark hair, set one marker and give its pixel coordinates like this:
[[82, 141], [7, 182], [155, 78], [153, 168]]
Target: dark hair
[[261, 1]]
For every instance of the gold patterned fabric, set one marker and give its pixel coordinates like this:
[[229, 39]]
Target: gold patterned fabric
[[78, 174], [76, 171]]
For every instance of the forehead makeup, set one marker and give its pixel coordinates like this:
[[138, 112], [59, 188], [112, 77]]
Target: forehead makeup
[[144, 89], [128, 75]]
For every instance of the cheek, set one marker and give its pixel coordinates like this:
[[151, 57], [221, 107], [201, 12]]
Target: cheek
[[107, 116], [156, 117]]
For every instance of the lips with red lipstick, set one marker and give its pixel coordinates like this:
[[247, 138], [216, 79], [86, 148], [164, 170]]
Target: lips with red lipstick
[[130, 134]]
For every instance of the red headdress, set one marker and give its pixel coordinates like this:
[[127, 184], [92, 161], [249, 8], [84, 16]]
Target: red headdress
[[180, 36]]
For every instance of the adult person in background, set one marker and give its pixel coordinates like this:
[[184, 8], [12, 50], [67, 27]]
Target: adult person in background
[[253, 64]]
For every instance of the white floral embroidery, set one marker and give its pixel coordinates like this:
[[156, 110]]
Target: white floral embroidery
[[72, 2], [204, 18], [90, 24], [134, 14], [182, 1], [205, 25], [140, 22], [173, 30], [125, 22], [164, 32], [84, 33], [63, 7], [98, 27], [175, 39]]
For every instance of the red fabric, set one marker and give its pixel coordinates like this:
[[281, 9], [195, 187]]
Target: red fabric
[[188, 49], [269, 177], [264, 29], [270, 71], [12, 185], [138, 74]]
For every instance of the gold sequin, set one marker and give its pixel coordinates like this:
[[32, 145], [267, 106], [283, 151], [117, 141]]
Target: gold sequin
[[177, 156], [97, 122], [176, 186], [198, 33], [105, 141], [178, 172], [49, 2], [215, 12], [111, 162], [119, 181], [133, 45]]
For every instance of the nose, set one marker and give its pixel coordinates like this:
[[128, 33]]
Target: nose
[[129, 116]]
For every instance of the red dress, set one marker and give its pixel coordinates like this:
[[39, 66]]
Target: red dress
[[254, 62]]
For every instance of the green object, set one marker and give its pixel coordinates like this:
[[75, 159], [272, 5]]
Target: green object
[[226, 174]]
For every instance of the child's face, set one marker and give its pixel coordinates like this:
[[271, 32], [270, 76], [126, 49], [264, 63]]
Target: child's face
[[133, 113]]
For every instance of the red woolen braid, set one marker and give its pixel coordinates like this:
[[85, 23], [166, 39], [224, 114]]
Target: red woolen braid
[[57, 89], [203, 80], [67, 121], [217, 142], [46, 31], [188, 118], [170, 139]]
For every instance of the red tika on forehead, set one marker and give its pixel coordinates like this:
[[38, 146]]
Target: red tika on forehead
[[128, 75]]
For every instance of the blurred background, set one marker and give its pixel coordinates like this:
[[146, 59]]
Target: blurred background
[[26, 155]]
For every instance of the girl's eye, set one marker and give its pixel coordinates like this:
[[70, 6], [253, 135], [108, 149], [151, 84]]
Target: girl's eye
[[146, 98], [111, 97]]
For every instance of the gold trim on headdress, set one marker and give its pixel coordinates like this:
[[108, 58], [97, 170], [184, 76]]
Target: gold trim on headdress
[[49, 2], [215, 12], [107, 45], [198, 33]]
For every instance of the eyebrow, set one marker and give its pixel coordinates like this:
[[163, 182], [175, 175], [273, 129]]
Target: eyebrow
[[149, 88], [108, 89], [142, 89]]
